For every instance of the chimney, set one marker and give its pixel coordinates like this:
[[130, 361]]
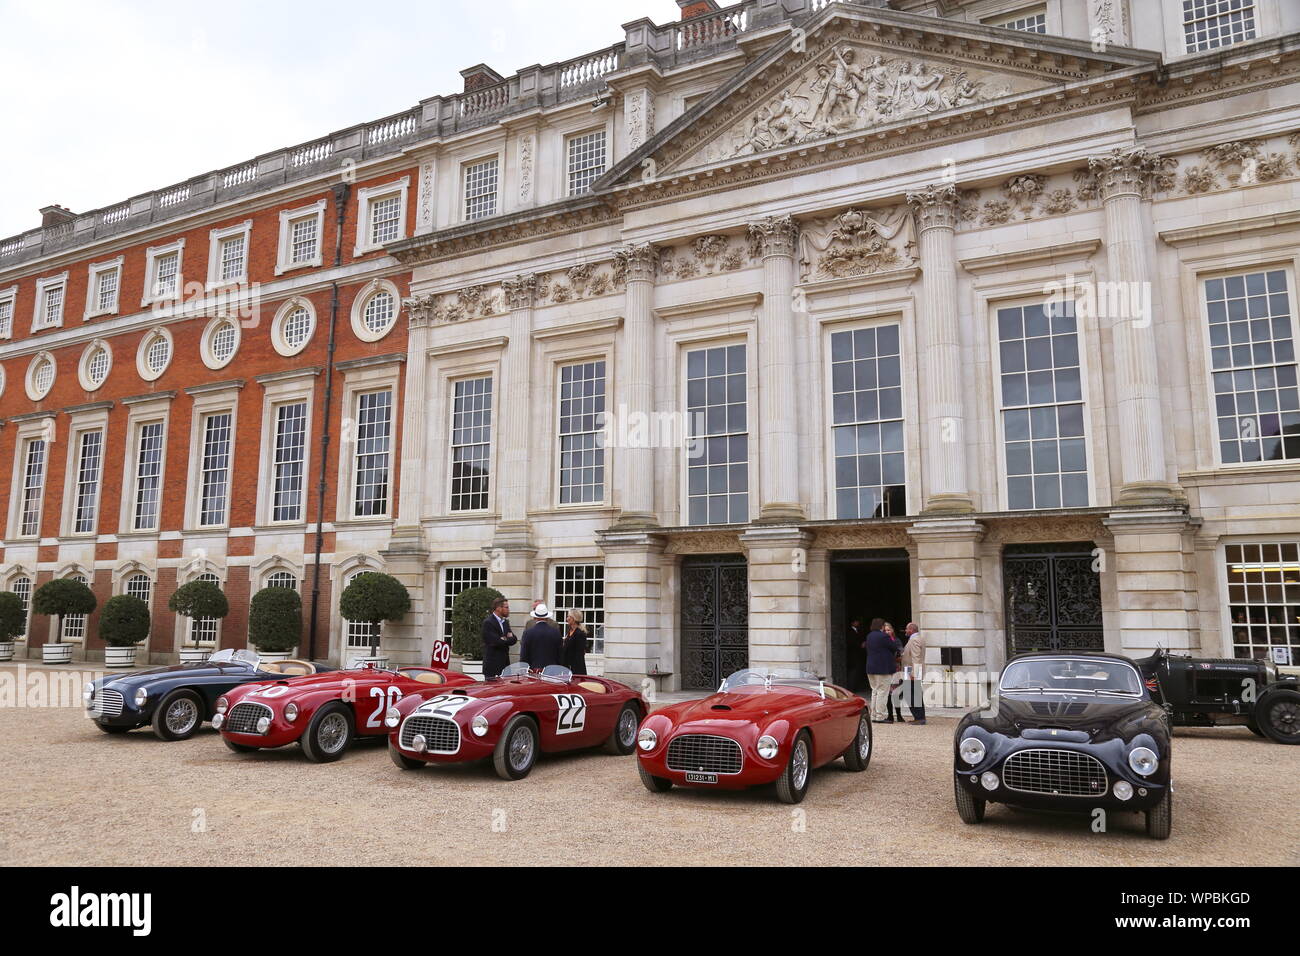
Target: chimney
[[696, 8], [56, 216], [477, 77]]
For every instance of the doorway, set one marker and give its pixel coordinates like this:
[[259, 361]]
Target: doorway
[[1053, 598], [714, 619], [865, 585]]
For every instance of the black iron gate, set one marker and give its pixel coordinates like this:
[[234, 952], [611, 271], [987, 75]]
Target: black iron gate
[[715, 620], [1053, 598]]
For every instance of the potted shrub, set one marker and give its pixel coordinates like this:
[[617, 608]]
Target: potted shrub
[[123, 624], [59, 598], [275, 623], [372, 599], [195, 600], [468, 610], [13, 622]]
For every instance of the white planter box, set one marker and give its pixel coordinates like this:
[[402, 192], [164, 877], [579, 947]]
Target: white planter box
[[276, 655], [472, 669], [56, 653], [6, 651], [363, 659], [119, 657], [195, 655]]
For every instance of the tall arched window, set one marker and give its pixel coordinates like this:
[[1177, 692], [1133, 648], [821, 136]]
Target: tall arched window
[[203, 630], [74, 625], [360, 634], [282, 579], [23, 588]]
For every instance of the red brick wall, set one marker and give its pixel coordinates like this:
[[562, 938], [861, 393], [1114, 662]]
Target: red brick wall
[[162, 624]]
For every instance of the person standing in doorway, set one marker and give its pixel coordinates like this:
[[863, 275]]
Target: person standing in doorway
[[914, 672], [894, 702], [881, 649], [856, 638]]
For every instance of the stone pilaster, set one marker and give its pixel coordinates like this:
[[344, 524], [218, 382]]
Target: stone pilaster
[[639, 117], [1124, 178], [633, 587], [1107, 23], [511, 407], [780, 593], [634, 388], [410, 640], [510, 571], [950, 592], [778, 403], [947, 488], [1155, 580], [410, 504]]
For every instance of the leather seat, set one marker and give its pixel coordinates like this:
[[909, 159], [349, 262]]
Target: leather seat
[[427, 677], [290, 668], [592, 686]]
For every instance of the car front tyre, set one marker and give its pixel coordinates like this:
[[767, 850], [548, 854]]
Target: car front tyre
[[516, 751], [1160, 818], [792, 785], [328, 734], [1278, 715], [969, 808], [858, 755], [403, 761], [652, 783], [622, 739], [178, 715]]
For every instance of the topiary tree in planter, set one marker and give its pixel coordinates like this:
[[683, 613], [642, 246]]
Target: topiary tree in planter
[[468, 610], [61, 597], [199, 599], [373, 598], [13, 619], [275, 620], [124, 621]]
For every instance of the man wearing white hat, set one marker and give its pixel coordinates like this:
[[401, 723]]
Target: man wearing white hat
[[542, 644]]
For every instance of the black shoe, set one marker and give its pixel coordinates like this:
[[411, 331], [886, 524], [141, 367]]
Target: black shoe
[[921, 721], [874, 721]]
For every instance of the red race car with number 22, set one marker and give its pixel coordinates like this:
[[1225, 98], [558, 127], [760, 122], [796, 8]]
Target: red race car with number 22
[[323, 712], [762, 726], [512, 719]]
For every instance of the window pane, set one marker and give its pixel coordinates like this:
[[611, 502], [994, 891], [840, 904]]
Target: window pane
[[374, 430], [718, 446], [471, 444]]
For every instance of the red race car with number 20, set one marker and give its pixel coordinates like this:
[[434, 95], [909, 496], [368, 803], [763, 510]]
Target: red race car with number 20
[[762, 726], [323, 712], [513, 718]]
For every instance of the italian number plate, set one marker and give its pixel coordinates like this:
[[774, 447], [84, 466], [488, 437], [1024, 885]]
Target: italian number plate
[[701, 778]]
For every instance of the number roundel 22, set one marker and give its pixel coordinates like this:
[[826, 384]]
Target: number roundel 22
[[571, 713]]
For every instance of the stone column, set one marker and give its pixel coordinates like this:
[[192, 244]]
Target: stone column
[[943, 445], [778, 402], [950, 605], [779, 597], [634, 388], [1107, 23], [639, 117], [1155, 580], [1124, 178], [633, 579], [510, 412]]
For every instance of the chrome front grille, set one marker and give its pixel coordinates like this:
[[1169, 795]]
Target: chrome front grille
[[442, 736], [1065, 773], [703, 753], [243, 718], [109, 703]]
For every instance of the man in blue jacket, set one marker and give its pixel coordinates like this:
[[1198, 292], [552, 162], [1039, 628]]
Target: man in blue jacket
[[497, 640], [543, 645], [881, 649]]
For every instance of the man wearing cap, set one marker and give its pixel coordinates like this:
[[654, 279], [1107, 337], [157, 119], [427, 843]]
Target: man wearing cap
[[542, 644]]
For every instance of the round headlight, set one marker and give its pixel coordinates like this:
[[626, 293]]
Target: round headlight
[[989, 780], [391, 717], [291, 712], [223, 705], [767, 747], [217, 721], [971, 750], [1123, 790], [263, 724], [88, 692], [419, 744], [647, 739], [1143, 760], [141, 696], [479, 725]]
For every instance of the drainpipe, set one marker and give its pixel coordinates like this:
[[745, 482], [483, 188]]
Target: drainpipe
[[341, 193]]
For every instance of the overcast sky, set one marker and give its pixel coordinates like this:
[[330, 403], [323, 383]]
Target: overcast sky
[[107, 99]]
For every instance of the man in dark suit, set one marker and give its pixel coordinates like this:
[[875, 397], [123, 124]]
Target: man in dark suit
[[543, 645], [881, 665], [497, 640]]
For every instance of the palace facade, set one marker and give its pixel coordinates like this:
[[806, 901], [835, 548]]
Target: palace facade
[[979, 314]]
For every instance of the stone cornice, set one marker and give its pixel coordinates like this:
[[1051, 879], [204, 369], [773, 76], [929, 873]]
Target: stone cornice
[[1233, 228], [1001, 261]]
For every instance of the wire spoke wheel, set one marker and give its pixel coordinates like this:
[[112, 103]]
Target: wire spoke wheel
[[627, 728], [181, 716], [799, 764], [521, 748], [333, 733]]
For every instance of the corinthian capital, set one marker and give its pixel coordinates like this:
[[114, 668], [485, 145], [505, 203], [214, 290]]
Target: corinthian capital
[[420, 310], [520, 291], [774, 236], [635, 263], [1132, 171], [935, 206]]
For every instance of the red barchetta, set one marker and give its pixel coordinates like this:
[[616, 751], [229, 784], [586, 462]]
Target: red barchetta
[[762, 726], [323, 712], [512, 719]]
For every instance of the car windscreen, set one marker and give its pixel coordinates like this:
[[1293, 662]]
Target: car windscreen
[[230, 656], [1071, 674], [761, 679]]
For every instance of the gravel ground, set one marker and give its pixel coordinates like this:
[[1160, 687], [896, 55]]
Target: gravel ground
[[70, 795]]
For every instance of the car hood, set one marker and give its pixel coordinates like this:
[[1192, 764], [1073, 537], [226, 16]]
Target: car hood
[[1098, 717], [186, 671], [738, 707]]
